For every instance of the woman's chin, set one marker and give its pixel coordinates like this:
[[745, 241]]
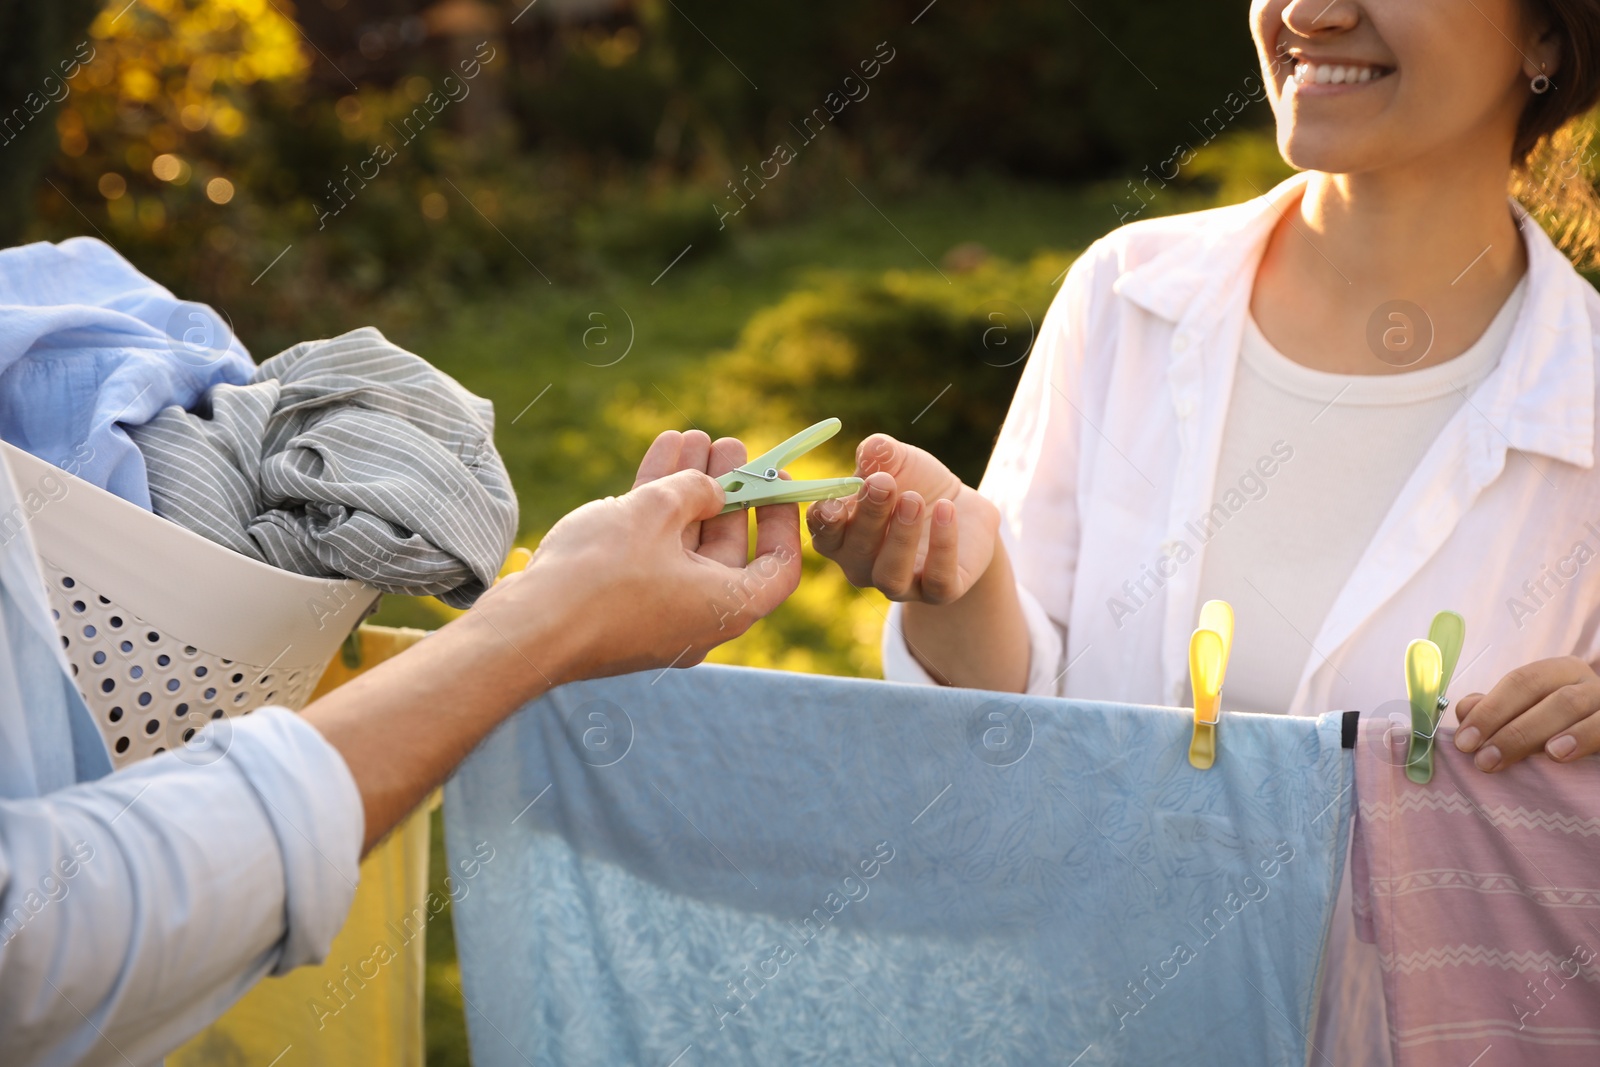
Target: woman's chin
[[1330, 151]]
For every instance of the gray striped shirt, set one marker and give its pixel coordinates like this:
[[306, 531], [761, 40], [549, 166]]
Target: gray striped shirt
[[348, 457]]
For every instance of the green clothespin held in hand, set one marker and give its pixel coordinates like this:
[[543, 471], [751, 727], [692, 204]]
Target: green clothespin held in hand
[[1429, 664], [757, 482]]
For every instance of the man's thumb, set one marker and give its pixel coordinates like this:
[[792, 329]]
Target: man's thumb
[[689, 496]]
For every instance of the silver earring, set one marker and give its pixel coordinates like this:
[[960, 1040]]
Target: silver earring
[[1540, 83]]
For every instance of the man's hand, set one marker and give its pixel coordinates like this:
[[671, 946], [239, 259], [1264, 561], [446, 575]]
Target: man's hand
[[1553, 704], [658, 577], [888, 537], [655, 578]]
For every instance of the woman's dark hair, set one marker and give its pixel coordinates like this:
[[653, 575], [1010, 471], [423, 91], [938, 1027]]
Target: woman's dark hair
[[1552, 153]]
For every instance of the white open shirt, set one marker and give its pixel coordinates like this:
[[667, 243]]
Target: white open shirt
[[1111, 447]]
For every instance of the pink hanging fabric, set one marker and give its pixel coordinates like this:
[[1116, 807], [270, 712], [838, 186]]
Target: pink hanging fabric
[[1482, 893]]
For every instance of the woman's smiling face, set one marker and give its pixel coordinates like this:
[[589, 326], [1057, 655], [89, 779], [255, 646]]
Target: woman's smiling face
[[1361, 85]]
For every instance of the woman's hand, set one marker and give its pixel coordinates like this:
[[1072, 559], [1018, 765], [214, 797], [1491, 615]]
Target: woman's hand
[[888, 537], [1553, 704]]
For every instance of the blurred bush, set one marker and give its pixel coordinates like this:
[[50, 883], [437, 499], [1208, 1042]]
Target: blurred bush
[[929, 357], [206, 137], [1035, 87]]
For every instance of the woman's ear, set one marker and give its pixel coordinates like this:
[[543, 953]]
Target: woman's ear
[[1543, 54]]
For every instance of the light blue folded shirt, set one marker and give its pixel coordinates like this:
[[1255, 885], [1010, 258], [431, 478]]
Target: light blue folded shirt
[[88, 344], [729, 866]]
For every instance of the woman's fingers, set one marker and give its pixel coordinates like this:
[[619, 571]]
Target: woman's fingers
[[894, 572], [863, 535], [1531, 705], [1550, 718], [941, 575], [1579, 740], [827, 520]]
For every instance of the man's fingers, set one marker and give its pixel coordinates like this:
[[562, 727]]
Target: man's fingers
[[696, 452], [1546, 720], [894, 571], [725, 538], [1512, 695], [775, 572], [661, 458], [673, 451], [941, 574]]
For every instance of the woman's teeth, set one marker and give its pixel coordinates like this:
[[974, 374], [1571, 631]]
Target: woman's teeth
[[1308, 73]]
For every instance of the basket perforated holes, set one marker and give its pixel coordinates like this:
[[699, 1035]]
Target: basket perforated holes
[[123, 664]]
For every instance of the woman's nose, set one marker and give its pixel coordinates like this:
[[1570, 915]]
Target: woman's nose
[[1309, 18]]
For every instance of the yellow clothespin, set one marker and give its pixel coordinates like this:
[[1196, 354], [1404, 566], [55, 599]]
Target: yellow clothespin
[[1208, 665], [1430, 662]]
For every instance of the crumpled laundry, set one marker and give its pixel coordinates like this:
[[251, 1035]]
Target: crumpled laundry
[[89, 346], [348, 457]]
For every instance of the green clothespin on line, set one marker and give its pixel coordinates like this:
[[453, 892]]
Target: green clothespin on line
[[757, 482], [1430, 662]]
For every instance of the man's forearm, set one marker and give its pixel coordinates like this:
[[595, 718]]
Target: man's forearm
[[979, 641], [403, 726]]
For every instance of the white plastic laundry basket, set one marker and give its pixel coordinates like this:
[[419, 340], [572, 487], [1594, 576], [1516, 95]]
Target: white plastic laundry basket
[[164, 629]]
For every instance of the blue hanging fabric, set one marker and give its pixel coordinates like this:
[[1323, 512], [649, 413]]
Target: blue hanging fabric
[[731, 866]]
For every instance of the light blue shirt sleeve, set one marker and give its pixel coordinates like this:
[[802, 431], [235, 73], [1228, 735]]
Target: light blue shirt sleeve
[[135, 907]]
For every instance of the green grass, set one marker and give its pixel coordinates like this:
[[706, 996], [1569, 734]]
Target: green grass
[[575, 441]]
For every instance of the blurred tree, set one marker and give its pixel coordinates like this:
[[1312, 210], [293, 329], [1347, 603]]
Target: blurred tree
[[35, 40]]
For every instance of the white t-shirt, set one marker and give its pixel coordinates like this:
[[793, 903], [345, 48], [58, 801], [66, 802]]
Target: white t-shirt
[[1318, 459]]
